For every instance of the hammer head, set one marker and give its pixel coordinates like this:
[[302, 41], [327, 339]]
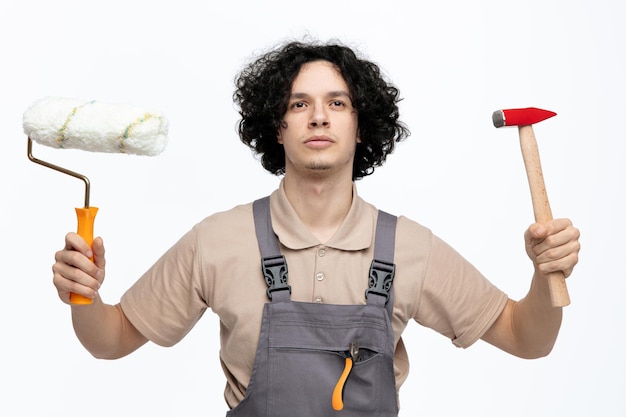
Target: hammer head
[[520, 117]]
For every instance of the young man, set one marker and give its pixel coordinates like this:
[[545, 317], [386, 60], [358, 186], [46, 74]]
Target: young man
[[323, 118]]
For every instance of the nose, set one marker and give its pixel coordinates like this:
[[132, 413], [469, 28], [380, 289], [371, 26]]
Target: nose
[[319, 117]]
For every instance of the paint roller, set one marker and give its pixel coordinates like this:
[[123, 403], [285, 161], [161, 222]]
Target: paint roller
[[66, 123]]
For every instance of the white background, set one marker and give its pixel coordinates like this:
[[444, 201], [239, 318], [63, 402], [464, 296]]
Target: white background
[[454, 61]]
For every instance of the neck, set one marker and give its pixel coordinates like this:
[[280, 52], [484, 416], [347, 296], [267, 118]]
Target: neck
[[322, 204]]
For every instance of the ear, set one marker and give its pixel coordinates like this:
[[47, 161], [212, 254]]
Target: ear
[[279, 136], [358, 136]]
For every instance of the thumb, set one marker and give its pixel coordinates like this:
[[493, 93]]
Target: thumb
[[97, 248], [537, 231], [533, 235]]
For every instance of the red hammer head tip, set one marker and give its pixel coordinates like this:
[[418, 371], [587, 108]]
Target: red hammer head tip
[[520, 117]]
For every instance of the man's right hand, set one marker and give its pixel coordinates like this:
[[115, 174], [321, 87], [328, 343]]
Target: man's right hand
[[75, 272]]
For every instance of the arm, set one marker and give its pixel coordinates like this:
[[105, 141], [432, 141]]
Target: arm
[[528, 328], [103, 329]]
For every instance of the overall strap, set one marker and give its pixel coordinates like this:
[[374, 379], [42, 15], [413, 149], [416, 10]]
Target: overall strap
[[382, 269], [274, 265], [273, 262]]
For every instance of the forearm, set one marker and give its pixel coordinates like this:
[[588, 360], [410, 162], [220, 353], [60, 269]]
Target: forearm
[[535, 323], [104, 330]]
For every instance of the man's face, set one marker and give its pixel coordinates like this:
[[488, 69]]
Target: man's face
[[320, 127]]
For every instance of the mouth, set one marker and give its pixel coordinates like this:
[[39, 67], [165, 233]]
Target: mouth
[[319, 141]]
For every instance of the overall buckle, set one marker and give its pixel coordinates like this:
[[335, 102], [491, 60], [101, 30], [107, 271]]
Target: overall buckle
[[275, 274], [380, 278]]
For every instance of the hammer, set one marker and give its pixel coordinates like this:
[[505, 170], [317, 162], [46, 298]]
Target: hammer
[[524, 119]]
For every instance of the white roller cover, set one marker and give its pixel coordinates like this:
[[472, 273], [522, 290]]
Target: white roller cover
[[96, 126]]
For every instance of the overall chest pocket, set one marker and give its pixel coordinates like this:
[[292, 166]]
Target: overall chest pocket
[[308, 363]]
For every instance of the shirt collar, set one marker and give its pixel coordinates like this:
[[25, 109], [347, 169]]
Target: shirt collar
[[355, 233]]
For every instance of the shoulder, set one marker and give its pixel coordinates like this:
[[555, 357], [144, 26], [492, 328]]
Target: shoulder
[[412, 236], [235, 219], [411, 229]]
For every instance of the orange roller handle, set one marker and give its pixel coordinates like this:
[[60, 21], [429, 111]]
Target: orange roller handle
[[337, 399], [86, 217]]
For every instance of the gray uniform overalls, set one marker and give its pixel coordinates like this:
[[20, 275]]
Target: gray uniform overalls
[[321, 360]]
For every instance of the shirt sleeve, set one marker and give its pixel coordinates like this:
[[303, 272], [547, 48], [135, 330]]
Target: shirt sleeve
[[456, 299], [166, 302]]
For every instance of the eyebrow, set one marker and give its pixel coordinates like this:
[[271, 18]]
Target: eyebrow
[[339, 93]]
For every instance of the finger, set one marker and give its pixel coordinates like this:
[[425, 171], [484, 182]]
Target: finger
[[558, 235], [65, 287], [564, 264], [559, 258], [69, 279], [75, 259], [74, 241], [75, 266]]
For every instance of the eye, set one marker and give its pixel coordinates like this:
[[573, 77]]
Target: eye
[[338, 103], [298, 105]]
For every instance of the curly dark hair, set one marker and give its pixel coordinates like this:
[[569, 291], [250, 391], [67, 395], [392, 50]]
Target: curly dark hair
[[263, 88]]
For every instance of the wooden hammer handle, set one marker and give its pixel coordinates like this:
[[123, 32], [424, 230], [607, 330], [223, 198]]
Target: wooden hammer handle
[[541, 205]]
